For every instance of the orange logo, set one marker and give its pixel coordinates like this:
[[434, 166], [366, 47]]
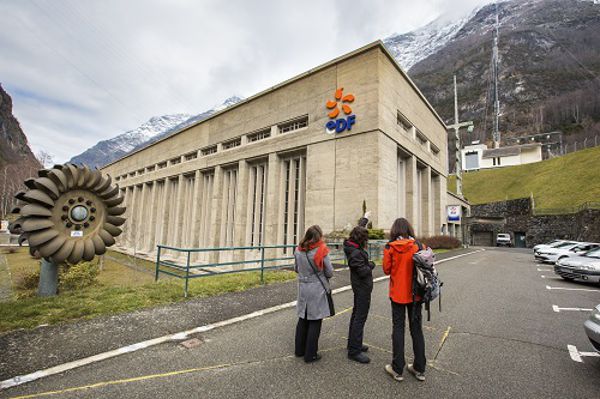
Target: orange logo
[[333, 105]]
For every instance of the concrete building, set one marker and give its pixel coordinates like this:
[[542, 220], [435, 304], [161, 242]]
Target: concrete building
[[307, 151], [477, 156]]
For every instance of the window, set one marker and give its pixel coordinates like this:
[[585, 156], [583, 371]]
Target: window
[[151, 168], [259, 193], [293, 125], [232, 143], [229, 200], [208, 150], [434, 149], [205, 235], [123, 177], [294, 180], [260, 135], [117, 178], [191, 155], [162, 165], [403, 122], [140, 171], [175, 161], [421, 137], [131, 174]]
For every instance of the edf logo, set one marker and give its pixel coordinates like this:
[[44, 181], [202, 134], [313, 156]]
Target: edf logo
[[344, 123]]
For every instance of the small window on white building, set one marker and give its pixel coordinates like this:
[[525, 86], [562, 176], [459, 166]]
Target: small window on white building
[[295, 124], [260, 135], [232, 143], [403, 122], [208, 150]]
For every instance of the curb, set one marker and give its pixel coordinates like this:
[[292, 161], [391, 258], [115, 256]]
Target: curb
[[22, 379]]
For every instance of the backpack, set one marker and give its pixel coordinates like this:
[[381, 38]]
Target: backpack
[[426, 282]]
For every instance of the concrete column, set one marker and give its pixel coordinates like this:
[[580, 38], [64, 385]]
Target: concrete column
[[196, 208], [140, 233], [273, 205], [412, 191], [163, 215], [217, 205], [179, 210], [132, 220], [437, 204], [241, 208], [152, 221], [426, 203]]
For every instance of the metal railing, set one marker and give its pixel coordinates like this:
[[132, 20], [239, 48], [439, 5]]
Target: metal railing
[[190, 269]]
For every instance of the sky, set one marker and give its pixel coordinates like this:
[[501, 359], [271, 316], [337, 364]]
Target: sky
[[81, 71]]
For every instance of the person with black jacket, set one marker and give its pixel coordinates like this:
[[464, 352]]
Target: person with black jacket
[[361, 277]]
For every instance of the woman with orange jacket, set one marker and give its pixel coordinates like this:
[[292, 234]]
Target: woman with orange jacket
[[398, 264]]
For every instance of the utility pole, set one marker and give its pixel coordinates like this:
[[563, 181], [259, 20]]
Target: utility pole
[[456, 126], [496, 131]]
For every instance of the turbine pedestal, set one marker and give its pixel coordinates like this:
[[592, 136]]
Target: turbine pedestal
[[48, 285]]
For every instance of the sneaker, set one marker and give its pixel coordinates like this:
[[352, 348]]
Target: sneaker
[[418, 375], [390, 371], [360, 357]]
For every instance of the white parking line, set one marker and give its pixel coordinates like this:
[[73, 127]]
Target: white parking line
[[558, 310], [543, 270], [576, 356], [571, 289]]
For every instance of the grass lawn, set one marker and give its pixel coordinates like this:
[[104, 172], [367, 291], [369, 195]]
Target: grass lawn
[[560, 182], [119, 289]]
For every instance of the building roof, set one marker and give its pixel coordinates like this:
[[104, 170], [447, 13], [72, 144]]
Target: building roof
[[337, 60], [508, 151]]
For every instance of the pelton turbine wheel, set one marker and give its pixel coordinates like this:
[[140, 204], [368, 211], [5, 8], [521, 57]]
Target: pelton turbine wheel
[[69, 213]]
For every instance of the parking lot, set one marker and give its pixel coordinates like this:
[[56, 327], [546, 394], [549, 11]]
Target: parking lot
[[509, 329]]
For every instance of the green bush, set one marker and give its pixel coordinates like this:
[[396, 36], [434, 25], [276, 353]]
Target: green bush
[[79, 276], [376, 234]]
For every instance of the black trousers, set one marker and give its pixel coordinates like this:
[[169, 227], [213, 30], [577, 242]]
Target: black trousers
[[307, 338], [362, 301], [415, 323]]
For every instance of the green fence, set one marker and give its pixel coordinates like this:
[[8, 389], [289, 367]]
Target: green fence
[[191, 269]]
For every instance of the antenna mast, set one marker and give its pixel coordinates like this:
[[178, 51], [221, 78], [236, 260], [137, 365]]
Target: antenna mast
[[496, 131]]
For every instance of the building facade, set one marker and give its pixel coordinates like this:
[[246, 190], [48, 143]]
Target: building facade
[[307, 151], [478, 156]]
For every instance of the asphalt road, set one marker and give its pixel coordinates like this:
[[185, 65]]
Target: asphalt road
[[502, 340]]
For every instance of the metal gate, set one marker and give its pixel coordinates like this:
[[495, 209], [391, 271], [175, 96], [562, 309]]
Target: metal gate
[[483, 238], [520, 240]]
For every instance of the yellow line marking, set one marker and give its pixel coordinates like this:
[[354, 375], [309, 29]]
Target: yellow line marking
[[161, 375], [339, 313]]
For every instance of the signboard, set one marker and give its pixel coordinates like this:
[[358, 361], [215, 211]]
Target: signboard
[[336, 124], [3, 225], [454, 213]]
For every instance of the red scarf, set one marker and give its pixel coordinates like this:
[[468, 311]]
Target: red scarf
[[321, 253]]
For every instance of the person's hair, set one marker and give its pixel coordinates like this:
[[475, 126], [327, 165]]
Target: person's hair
[[401, 228], [360, 236], [312, 236]]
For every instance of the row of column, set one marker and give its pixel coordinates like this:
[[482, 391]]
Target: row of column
[[239, 205], [419, 196]]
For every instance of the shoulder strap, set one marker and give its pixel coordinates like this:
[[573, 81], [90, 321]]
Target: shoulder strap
[[316, 272]]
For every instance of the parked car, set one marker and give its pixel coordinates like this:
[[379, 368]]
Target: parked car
[[552, 255], [592, 328], [503, 239], [582, 267], [551, 244]]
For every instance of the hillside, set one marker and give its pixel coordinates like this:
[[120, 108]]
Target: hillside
[[17, 162], [562, 182], [549, 69]]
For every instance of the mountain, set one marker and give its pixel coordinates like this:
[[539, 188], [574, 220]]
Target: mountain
[[549, 69], [151, 131], [17, 162]]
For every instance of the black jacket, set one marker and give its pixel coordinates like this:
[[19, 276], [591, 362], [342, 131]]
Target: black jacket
[[358, 261]]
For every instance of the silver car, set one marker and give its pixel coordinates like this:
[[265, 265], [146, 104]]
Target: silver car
[[592, 328], [580, 267]]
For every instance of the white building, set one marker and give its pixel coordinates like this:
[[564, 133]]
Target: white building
[[478, 156]]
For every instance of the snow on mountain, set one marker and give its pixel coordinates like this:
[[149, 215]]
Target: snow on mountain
[[153, 130], [412, 47]]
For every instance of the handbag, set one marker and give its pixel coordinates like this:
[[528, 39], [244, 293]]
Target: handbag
[[327, 292]]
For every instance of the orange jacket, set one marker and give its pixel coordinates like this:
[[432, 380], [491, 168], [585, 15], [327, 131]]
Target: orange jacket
[[398, 264]]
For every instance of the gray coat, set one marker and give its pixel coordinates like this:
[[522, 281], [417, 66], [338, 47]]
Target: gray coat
[[312, 299]]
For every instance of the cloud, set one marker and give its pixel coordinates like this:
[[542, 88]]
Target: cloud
[[81, 72]]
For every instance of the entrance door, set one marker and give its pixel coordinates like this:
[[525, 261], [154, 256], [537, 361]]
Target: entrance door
[[483, 239], [520, 240]]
